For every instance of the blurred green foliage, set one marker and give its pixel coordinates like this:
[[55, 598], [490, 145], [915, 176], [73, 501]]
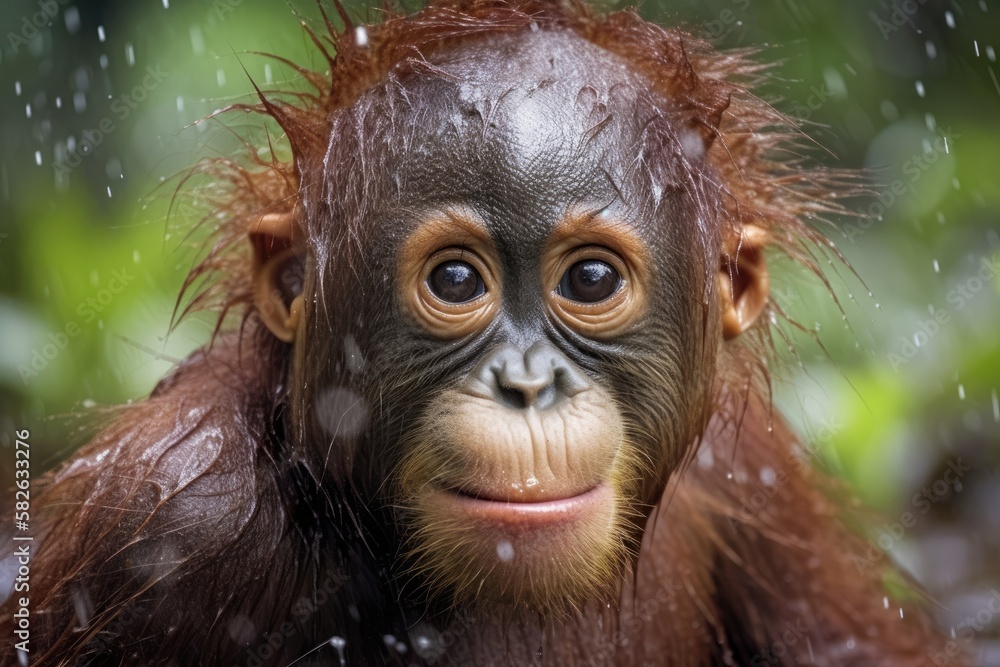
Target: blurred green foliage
[[874, 97]]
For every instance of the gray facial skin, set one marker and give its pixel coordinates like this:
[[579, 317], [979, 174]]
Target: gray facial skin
[[521, 130]]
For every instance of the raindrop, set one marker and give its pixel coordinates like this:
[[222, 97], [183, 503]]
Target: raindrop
[[961, 392], [361, 36], [982, 6], [130, 54], [103, 60], [342, 412], [197, 40], [505, 551], [109, 192], [889, 110], [72, 19], [166, 4], [706, 459], [180, 104], [975, 43], [135, 256], [996, 407], [81, 80], [937, 267], [920, 88], [38, 158], [949, 18], [17, 88], [241, 629], [58, 103], [353, 355], [834, 82], [767, 476], [390, 640], [885, 601], [27, 110], [991, 54], [100, 34], [339, 643], [220, 77], [931, 49], [268, 77], [901, 612]]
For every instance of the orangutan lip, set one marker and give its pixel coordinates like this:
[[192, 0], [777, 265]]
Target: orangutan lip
[[490, 498], [530, 513]]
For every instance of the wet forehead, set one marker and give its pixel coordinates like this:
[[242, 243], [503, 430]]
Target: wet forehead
[[521, 127]]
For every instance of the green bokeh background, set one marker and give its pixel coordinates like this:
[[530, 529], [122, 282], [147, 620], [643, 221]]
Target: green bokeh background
[[878, 83]]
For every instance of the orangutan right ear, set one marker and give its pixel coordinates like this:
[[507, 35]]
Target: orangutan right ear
[[277, 273]]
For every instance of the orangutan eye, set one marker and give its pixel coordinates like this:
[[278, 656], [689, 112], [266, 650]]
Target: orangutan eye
[[589, 281], [456, 281]]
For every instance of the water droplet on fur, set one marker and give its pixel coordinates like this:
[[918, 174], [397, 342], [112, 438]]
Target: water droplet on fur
[[339, 643], [505, 551], [767, 475]]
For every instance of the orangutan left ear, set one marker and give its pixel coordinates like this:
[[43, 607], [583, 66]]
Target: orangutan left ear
[[744, 285], [277, 273]]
